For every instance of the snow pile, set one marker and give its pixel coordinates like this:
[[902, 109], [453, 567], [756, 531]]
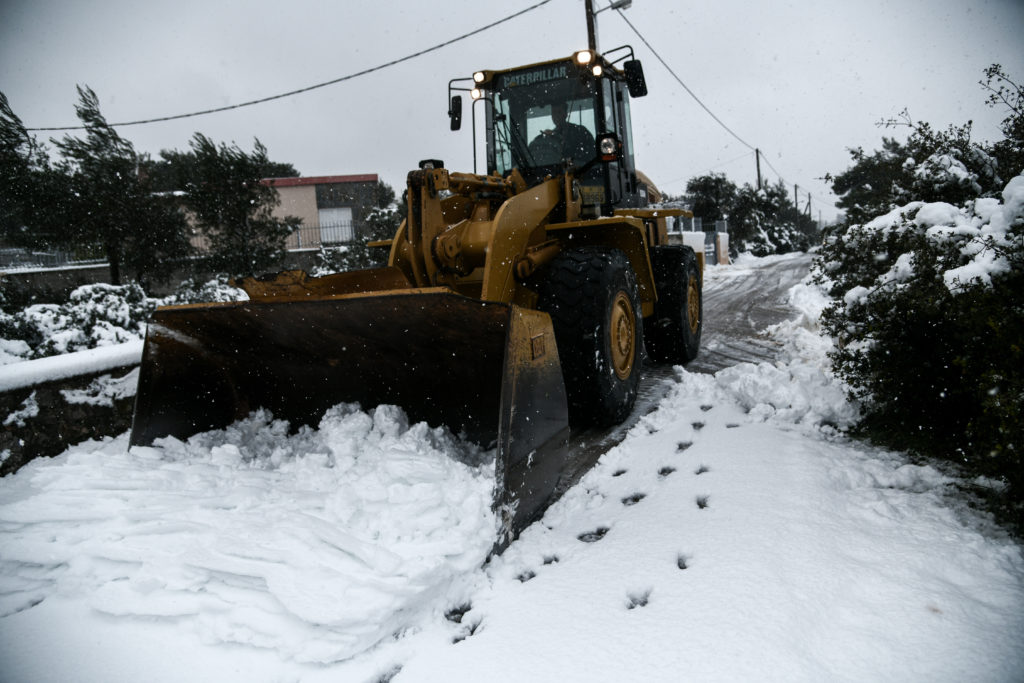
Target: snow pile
[[317, 545], [800, 387]]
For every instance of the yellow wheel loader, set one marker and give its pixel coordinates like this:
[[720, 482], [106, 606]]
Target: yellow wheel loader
[[514, 302]]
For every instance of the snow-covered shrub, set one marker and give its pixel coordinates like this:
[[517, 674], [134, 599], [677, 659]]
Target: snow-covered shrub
[[94, 315], [218, 289], [378, 224], [929, 318]]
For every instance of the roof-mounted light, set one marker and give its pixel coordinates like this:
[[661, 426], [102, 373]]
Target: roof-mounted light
[[598, 70], [476, 93], [584, 57], [478, 77]]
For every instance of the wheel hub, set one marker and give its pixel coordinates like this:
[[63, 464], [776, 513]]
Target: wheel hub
[[623, 333], [693, 304]]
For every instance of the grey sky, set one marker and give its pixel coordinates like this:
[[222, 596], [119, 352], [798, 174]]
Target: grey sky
[[803, 80]]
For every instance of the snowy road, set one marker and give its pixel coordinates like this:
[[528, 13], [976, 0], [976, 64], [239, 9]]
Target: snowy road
[[739, 304], [731, 534]]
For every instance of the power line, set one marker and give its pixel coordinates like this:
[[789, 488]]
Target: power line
[[680, 81], [318, 85], [703, 106]]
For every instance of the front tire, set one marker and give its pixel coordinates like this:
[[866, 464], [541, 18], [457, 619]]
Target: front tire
[[592, 297]]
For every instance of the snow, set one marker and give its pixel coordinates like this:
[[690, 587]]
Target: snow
[[980, 230], [734, 534], [104, 390], [32, 372]]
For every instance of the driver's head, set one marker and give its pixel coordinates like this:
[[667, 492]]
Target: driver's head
[[558, 113]]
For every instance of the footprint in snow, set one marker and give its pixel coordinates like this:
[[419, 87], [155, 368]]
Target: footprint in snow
[[665, 471], [702, 502], [706, 407], [388, 675], [683, 445], [697, 426], [455, 614], [593, 536], [634, 499], [701, 470], [682, 561], [619, 473], [638, 599], [467, 631]]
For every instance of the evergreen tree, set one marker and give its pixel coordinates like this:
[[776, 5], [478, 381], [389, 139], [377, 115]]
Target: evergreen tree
[[106, 202], [233, 208], [27, 202], [766, 222], [711, 197], [926, 275], [1003, 91]]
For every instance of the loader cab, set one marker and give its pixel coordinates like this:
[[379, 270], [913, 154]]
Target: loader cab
[[545, 118]]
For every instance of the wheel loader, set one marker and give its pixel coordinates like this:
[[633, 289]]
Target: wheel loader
[[514, 303]]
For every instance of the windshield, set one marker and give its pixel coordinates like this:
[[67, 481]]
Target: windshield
[[541, 117]]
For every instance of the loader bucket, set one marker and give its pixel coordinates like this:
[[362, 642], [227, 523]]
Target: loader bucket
[[488, 371]]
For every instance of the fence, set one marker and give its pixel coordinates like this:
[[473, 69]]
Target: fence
[[334, 234], [306, 237], [15, 257]]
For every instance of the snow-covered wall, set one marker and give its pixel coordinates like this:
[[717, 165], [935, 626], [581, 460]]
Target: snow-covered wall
[[48, 409]]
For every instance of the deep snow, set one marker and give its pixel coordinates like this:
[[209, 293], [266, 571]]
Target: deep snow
[[734, 534]]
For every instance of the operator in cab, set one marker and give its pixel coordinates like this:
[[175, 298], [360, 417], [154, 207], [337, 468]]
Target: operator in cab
[[566, 141]]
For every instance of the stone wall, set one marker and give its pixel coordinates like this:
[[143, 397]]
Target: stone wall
[[43, 420]]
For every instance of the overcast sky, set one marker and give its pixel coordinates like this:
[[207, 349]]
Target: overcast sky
[[801, 79]]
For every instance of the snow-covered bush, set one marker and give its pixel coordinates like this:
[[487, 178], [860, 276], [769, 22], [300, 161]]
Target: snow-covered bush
[[219, 289], [930, 322], [93, 316], [926, 274], [764, 221], [379, 224]]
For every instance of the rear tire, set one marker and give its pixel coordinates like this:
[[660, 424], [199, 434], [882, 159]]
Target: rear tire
[[592, 297], [673, 332]]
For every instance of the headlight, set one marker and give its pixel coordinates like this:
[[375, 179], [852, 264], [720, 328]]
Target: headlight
[[598, 70], [478, 77], [582, 57], [476, 93]]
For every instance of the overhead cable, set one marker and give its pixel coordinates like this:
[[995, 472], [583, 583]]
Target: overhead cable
[[680, 81], [318, 85], [698, 100]]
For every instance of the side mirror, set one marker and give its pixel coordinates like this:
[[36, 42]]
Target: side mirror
[[455, 112], [635, 78]]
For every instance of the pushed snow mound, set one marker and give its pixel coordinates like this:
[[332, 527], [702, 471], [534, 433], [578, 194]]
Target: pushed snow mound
[[317, 545]]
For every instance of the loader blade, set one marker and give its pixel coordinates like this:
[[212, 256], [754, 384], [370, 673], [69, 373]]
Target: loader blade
[[488, 371]]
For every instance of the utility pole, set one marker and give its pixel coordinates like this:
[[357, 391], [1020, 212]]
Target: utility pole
[[796, 200], [808, 204], [591, 25], [757, 157], [588, 5]]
